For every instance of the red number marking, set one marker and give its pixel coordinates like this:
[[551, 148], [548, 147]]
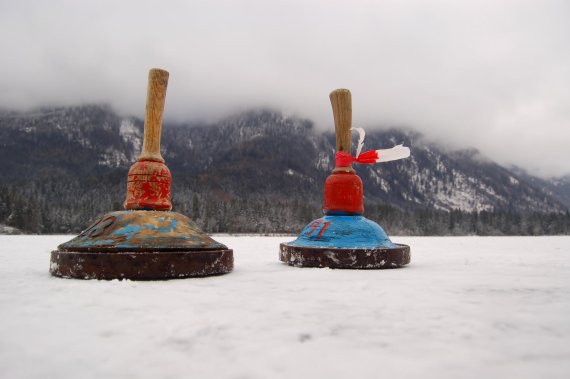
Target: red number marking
[[325, 226], [314, 225]]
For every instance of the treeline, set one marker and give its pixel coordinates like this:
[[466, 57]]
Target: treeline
[[68, 208], [427, 222]]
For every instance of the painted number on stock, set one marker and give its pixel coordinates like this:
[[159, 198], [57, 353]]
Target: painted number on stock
[[315, 225]]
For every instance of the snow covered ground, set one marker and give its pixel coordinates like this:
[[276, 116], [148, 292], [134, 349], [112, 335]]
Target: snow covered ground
[[467, 307]]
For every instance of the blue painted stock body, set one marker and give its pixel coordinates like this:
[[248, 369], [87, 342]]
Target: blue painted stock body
[[343, 232]]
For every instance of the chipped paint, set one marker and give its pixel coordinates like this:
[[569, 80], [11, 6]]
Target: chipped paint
[[379, 258], [148, 186], [142, 231]]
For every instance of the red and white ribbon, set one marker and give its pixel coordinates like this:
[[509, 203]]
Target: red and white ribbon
[[372, 156]]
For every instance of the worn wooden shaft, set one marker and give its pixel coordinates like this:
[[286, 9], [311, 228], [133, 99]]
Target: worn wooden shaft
[[156, 94], [341, 101]]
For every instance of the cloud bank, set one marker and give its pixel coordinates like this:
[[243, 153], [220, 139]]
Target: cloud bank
[[485, 74]]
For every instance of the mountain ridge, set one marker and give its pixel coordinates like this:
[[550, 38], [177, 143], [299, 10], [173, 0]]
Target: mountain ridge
[[260, 169]]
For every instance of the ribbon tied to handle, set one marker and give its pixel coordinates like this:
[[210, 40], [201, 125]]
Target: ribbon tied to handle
[[372, 156]]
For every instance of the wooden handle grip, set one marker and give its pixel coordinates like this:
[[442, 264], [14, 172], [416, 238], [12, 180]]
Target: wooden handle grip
[[341, 101], [156, 94]]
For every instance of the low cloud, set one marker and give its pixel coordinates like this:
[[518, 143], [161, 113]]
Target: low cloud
[[490, 75]]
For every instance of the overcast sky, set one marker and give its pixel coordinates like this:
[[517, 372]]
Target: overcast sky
[[494, 75]]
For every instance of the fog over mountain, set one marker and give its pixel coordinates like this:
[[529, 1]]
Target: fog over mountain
[[484, 74], [258, 171]]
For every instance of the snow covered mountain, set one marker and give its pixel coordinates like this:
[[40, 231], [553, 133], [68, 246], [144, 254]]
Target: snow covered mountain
[[255, 171], [297, 159]]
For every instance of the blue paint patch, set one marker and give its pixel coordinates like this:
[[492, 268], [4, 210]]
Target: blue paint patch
[[166, 229], [343, 232], [127, 231]]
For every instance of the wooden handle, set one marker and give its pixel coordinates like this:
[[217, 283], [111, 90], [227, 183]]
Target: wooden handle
[[341, 101], [156, 93]]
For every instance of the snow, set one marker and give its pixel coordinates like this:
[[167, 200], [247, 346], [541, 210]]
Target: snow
[[130, 133], [466, 307], [323, 161], [113, 158], [5, 229]]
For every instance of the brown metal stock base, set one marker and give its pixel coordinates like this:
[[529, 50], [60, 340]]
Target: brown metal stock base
[[139, 265], [380, 258]]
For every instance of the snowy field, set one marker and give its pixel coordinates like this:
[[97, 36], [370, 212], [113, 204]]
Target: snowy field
[[466, 307]]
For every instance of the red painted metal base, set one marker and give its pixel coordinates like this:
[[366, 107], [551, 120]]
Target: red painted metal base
[[137, 265], [379, 258], [148, 186], [343, 193]]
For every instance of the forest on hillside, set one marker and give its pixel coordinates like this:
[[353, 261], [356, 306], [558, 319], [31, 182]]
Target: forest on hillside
[[37, 211], [257, 172]]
